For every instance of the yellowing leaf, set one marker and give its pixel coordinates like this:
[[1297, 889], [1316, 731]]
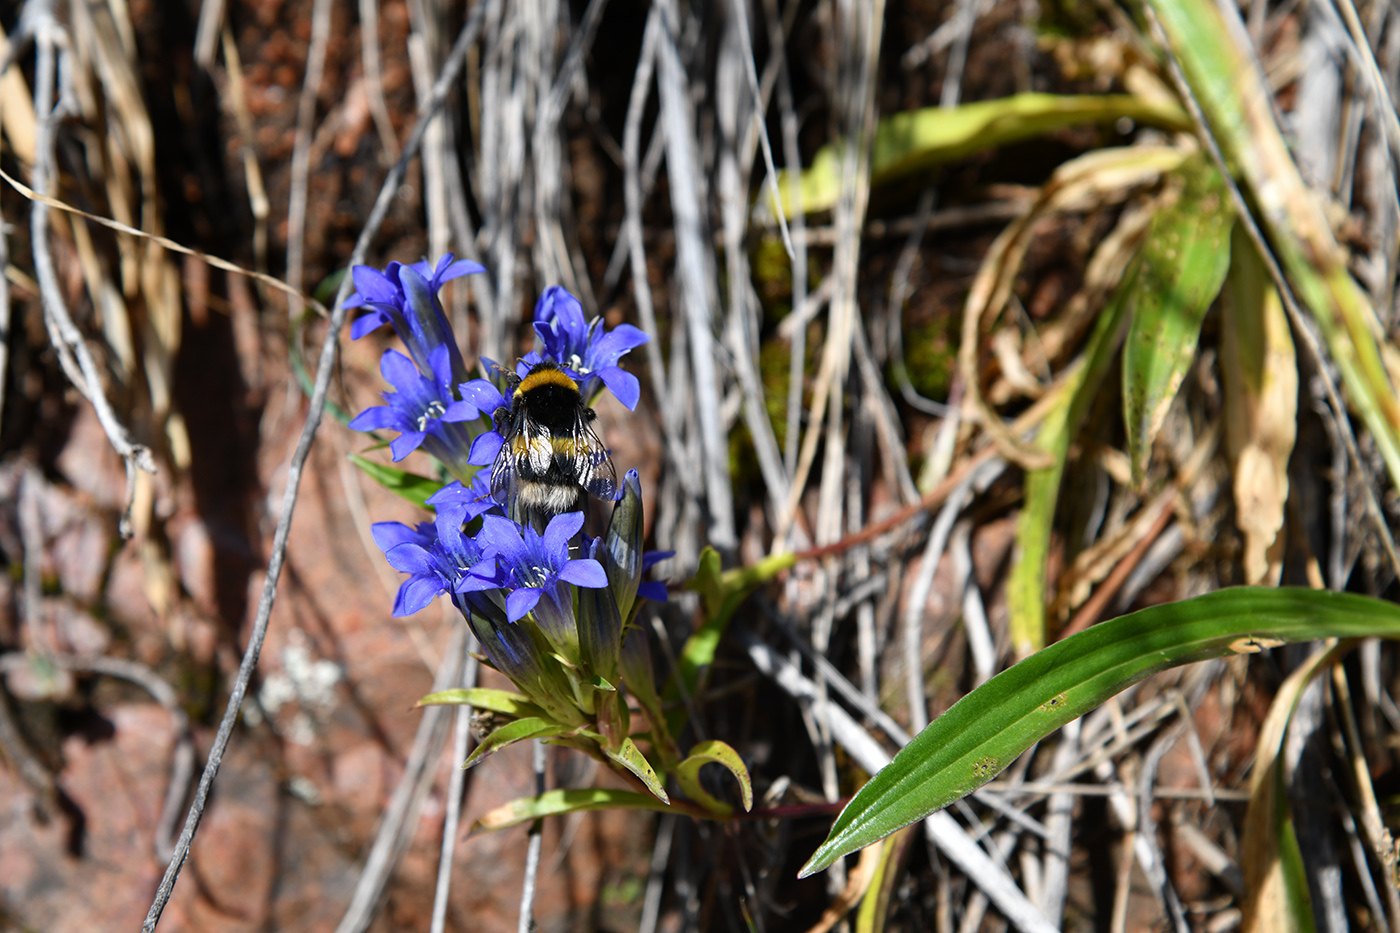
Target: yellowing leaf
[[909, 142], [1260, 373]]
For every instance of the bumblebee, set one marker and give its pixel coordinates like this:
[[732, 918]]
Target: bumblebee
[[551, 455]]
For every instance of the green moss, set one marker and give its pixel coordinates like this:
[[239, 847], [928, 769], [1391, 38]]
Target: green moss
[[772, 278], [931, 356]]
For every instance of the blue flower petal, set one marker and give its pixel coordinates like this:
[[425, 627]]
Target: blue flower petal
[[485, 396], [653, 590], [372, 285], [586, 572], [389, 535], [376, 418], [365, 323], [446, 271], [622, 384], [651, 558], [485, 448], [411, 557], [406, 443], [398, 370], [520, 602], [618, 341], [460, 411], [417, 593], [501, 537], [561, 530]]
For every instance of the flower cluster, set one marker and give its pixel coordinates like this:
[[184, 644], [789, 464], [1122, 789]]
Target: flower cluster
[[550, 605]]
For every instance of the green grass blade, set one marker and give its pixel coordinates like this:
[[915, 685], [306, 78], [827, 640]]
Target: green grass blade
[[915, 140], [1212, 50], [987, 729], [1183, 264], [559, 802], [410, 486], [1025, 587]]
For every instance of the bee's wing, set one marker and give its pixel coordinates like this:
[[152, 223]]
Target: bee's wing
[[527, 453], [503, 473], [591, 463]]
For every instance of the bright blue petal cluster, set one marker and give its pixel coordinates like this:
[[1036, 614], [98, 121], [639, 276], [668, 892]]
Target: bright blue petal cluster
[[587, 352], [532, 565], [549, 606]]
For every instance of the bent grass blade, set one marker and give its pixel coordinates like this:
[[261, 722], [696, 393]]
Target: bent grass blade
[[915, 140], [987, 729]]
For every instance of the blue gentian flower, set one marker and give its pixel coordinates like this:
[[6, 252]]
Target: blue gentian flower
[[532, 565], [405, 297], [550, 607], [423, 411], [585, 351]]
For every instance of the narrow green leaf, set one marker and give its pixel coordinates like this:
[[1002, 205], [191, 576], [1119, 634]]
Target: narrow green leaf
[[505, 702], [875, 906], [1275, 875], [713, 752], [913, 141], [1182, 269], [327, 287], [631, 758], [1214, 50], [1025, 587], [411, 486], [984, 731], [559, 802], [512, 732]]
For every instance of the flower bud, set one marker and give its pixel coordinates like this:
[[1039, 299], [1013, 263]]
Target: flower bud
[[623, 542], [599, 623]]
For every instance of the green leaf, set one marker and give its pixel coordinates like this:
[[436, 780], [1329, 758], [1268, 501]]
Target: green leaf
[[875, 906], [327, 287], [505, 702], [1025, 587], [1218, 63], [987, 729], [512, 732], [411, 486], [1275, 874], [631, 758], [559, 802], [1181, 270], [713, 752], [913, 141]]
